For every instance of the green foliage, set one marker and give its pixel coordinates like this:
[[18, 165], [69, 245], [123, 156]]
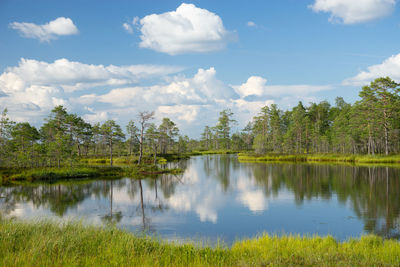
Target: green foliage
[[111, 133], [45, 243], [371, 125], [167, 134]]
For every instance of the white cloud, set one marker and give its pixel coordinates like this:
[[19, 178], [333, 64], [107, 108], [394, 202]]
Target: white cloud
[[390, 67], [202, 88], [32, 88], [245, 110], [72, 76], [94, 117], [127, 28], [354, 11], [187, 113], [188, 29], [257, 86], [46, 32], [193, 102], [251, 24]]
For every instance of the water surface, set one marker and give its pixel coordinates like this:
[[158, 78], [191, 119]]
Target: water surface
[[219, 198]]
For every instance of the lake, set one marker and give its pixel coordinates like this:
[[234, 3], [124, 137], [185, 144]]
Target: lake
[[219, 198]]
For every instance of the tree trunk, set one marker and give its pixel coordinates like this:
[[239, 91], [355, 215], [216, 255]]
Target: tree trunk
[[111, 154], [141, 145], [155, 155], [386, 140]]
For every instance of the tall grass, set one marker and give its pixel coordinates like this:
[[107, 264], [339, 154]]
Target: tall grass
[[49, 244], [357, 159]]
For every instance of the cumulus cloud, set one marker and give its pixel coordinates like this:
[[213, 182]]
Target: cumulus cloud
[[188, 29], [46, 32], [34, 87], [354, 11], [257, 86], [96, 92], [202, 88], [72, 75], [390, 67], [187, 113]]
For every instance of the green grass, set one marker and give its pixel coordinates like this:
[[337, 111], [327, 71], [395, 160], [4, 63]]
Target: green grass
[[71, 244], [14, 175], [132, 160], [205, 152], [123, 160], [11, 175], [356, 159]]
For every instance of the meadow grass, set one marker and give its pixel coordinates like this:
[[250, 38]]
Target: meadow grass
[[338, 158], [15, 175], [72, 244]]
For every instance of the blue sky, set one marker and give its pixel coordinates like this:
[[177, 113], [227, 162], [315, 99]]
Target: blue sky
[[189, 60]]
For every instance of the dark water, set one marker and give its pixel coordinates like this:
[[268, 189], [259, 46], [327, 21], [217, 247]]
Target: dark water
[[218, 197]]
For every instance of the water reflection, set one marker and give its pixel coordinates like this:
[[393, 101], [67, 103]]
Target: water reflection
[[217, 196]]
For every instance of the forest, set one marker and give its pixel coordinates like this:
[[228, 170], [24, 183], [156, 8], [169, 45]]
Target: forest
[[369, 126]]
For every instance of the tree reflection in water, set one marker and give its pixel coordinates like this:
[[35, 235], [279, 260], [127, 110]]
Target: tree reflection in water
[[372, 193]]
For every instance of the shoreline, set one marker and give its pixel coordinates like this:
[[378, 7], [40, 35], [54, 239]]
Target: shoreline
[[320, 158], [9, 176]]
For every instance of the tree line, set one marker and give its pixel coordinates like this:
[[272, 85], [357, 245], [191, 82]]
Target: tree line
[[65, 138], [369, 126]]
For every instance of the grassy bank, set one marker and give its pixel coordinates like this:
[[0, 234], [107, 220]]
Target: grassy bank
[[48, 244], [356, 159], [148, 158], [132, 160], [210, 152], [14, 175]]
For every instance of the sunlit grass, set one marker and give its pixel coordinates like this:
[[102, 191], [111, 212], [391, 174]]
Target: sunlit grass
[[71, 244], [13, 175], [357, 159], [51, 174], [221, 151]]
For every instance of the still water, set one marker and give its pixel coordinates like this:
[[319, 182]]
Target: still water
[[218, 197]]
